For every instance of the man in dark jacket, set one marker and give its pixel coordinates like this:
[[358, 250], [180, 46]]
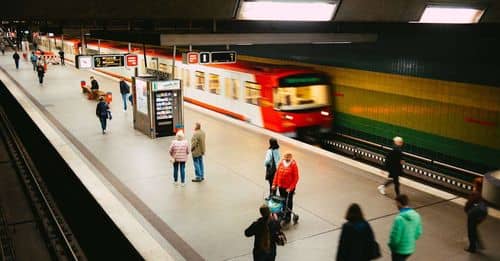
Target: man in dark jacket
[[101, 111], [94, 86], [264, 230], [41, 72], [394, 165], [61, 55], [16, 59], [124, 90]]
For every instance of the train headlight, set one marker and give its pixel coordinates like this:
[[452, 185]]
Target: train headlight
[[325, 113], [289, 117]]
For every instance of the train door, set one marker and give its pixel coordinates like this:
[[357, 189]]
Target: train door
[[250, 102]]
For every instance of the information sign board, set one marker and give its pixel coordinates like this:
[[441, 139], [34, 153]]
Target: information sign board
[[111, 60]]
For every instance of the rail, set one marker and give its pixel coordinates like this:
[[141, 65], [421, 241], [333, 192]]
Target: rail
[[16, 147], [434, 177]]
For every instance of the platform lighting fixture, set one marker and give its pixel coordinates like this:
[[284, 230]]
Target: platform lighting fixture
[[51, 34], [442, 14], [287, 10]]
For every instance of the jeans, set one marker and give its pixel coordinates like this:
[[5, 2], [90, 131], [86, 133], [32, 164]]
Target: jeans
[[40, 79], [399, 257], [395, 180], [62, 61], [103, 121], [124, 98], [176, 170], [34, 66], [17, 63], [472, 233], [198, 167]]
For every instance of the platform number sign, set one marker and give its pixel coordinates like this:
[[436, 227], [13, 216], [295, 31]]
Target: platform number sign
[[204, 57]]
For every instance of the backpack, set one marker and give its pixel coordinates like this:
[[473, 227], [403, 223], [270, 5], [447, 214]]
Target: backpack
[[271, 168]]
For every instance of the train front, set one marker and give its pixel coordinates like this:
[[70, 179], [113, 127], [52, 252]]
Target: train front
[[303, 104]]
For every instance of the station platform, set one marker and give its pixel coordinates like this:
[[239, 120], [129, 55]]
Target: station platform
[[205, 221]]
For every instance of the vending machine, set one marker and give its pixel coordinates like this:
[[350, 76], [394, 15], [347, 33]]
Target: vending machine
[[158, 109]]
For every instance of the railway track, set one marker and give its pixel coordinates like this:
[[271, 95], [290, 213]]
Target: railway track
[[60, 241]]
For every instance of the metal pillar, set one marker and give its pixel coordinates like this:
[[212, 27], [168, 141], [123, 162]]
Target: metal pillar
[[62, 42], [82, 36], [129, 48], [173, 62], [99, 46]]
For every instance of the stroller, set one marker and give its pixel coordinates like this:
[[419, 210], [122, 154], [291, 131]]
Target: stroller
[[279, 206]]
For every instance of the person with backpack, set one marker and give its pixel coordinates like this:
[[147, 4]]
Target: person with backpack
[[101, 112], [357, 241], [267, 233], [34, 61], [124, 90], [16, 58], [477, 211], [271, 162], [40, 70]]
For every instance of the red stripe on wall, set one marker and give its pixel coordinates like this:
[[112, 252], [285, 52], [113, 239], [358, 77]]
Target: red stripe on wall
[[480, 122]]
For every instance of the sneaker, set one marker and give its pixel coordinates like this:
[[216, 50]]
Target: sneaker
[[175, 183], [196, 180], [183, 184], [381, 189]]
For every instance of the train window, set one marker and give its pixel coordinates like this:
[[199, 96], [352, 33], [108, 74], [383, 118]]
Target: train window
[[214, 84], [200, 80], [165, 68], [177, 73], [232, 88], [252, 93], [301, 97], [186, 78]]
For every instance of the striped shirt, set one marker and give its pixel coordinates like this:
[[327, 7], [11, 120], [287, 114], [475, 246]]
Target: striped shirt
[[179, 150]]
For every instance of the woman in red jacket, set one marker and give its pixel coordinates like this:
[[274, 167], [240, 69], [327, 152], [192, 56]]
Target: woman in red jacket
[[285, 179]]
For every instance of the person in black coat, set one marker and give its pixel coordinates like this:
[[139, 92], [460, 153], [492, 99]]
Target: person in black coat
[[101, 112], [264, 230], [61, 55], [394, 165], [357, 242], [41, 72], [124, 91], [16, 58]]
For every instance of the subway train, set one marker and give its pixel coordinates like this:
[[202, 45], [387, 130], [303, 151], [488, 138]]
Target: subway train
[[293, 100]]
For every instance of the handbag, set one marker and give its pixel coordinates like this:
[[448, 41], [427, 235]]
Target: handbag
[[271, 168], [374, 250], [280, 238]]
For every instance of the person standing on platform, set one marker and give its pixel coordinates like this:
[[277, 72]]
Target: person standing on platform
[[101, 112], [264, 229], [16, 58], [124, 90], [2, 47], [477, 211], [271, 162], [405, 231], [357, 241], [285, 180], [34, 61], [394, 165], [94, 86], [179, 151], [198, 151], [61, 55], [40, 70]]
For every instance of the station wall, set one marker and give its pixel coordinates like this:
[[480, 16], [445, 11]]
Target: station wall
[[440, 92]]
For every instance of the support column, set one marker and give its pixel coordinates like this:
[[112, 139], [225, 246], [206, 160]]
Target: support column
[[99, 46], [173, 62], [82, 37]]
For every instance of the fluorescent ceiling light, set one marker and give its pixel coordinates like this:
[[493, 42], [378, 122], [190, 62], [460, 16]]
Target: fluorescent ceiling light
[[451, 15], [280, 10], [332, 42]]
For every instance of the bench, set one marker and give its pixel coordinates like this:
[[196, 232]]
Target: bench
[[92, 95]]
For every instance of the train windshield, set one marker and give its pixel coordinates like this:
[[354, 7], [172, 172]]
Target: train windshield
[[302, 92]]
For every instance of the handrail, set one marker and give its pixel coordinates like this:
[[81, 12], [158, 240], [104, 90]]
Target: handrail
[[413, 155]]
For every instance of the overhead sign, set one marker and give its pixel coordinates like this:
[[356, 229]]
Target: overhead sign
[[190, 58], [84, 62], [132, 60], [223, 57], [204, 57], [109, 60]]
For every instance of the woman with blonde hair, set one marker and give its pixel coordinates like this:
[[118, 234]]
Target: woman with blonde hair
[[179, 151]]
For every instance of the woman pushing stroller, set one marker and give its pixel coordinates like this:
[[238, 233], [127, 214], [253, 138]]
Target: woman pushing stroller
[[285, 180]]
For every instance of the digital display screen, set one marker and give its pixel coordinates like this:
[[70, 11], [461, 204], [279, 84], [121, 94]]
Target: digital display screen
[[223, 57], [303, 79], [103, 61]]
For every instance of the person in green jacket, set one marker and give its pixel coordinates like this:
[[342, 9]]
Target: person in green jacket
[[405, 231], [198, 150]]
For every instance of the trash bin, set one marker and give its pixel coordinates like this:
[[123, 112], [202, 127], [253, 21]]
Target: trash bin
[[109, 97]]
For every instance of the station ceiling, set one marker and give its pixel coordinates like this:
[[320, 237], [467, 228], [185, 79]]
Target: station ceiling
[[399, 11]]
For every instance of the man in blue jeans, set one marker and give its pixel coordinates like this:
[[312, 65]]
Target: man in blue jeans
[[198, 150], [124, 90]]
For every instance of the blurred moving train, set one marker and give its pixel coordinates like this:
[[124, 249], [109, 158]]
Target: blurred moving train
[[292, 100]]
